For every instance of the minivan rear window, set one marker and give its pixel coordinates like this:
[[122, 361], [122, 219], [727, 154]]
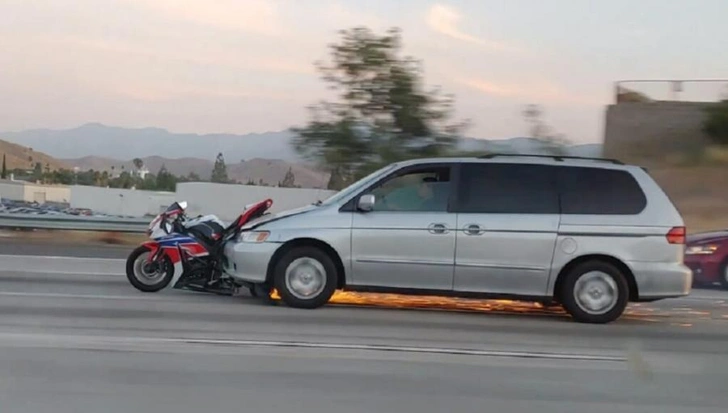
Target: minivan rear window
[[599, 191]]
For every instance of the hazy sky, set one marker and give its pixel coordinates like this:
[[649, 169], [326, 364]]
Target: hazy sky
[[247, 65]]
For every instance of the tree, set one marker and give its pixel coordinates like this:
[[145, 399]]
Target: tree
[[537, 129], [382, 114], [335, 180], [138, 163], [103, 179], [4, 173], [629, 95], [165, 180], [60, 176], [37, 171], [554, 144], [716, 122], [124, 180], [219, 171], [289, 180]]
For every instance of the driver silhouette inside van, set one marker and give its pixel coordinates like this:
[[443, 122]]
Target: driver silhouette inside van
[[426, 195]]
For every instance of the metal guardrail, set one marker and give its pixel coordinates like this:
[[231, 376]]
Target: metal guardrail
[[73, 223]]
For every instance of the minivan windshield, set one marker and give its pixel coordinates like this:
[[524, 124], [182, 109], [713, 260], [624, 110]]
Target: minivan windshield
[[356, 186]]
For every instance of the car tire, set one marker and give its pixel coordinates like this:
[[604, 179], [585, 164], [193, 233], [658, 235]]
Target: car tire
[[305, 277], [140, 281], [723, 276], [595, 292]]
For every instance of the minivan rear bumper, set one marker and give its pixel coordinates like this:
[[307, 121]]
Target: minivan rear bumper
[[656, 281]]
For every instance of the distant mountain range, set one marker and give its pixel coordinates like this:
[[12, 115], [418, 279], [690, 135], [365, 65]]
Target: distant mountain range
[[256, 156], [94, 139]]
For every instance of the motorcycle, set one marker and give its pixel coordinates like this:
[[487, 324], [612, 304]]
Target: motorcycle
[[187, 253]]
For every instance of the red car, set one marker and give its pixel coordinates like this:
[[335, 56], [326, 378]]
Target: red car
[[707, 255]]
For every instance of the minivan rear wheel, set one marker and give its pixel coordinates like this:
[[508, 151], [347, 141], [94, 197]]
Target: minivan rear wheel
[[305, 277], [595, 292]]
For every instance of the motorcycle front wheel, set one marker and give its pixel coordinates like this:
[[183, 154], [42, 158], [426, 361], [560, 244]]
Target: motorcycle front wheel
[[148, 277]]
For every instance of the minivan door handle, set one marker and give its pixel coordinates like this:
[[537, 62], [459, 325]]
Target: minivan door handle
[[473, 229], [437, 228]]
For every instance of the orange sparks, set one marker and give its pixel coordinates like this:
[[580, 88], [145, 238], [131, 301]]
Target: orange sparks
[[434, 302]]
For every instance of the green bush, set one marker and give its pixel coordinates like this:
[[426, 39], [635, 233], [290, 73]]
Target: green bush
[[716, 123]]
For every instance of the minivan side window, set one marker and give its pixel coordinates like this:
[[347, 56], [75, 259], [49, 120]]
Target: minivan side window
[[507, 188], [425, 189], [599, 191]]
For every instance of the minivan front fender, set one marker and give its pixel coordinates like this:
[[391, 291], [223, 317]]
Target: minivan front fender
[[340, 256]]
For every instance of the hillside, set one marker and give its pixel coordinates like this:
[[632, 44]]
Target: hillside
[[272, 171], [17, 156], [177, 166]]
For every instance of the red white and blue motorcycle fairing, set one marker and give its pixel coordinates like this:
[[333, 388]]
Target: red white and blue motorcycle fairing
[[187, 253]]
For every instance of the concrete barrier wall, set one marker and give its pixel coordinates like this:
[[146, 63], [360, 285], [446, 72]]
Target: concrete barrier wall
[[635, 130], [227, 201], [125, 202], [223, 200]]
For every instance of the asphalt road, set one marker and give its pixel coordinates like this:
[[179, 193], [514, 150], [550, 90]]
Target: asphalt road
[[76, 337]]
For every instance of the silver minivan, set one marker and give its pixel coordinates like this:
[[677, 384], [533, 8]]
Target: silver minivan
[[590, 234]]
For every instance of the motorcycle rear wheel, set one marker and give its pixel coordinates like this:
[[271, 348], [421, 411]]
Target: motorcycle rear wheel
[[148, 282]]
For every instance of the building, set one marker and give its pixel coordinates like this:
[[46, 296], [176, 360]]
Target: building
[[142, 172], [32, 192]]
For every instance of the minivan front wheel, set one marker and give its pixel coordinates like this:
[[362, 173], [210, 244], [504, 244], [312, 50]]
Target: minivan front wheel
[[595, 292], [305, 277]]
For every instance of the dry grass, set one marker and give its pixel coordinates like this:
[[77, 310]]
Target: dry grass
[[699, 192]]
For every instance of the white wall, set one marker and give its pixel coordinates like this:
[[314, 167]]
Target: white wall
[[115, 201], [12, 190], [227, 200], [47, 193], [29, 192], [224, 200]]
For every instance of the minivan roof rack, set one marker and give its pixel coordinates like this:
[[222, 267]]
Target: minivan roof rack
[[554, 157]]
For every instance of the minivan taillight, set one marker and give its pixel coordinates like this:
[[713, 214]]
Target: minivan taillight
[[676, 235]]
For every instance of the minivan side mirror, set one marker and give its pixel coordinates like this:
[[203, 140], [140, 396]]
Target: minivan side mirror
[[366, 203]]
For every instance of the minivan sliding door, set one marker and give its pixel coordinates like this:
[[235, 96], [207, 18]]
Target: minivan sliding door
[[507, 224]]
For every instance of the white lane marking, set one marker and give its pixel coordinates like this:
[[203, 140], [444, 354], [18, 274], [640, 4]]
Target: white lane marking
[[84, 296], [60, 257], [706, 298], [157, 342], [51, 272], [377, 347]]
